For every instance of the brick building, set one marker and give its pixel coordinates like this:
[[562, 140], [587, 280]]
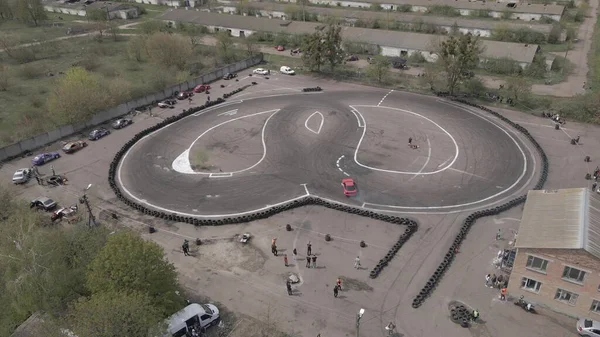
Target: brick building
[[558, 252]]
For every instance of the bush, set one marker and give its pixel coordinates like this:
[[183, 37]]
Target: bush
[[376, 7], [443, 10], [502, 66], [30, 71], [521, 35], [547, 20], [480, 13], [474, 87], [555, 33], [416, 58], [404, 8], [559, 64], [88, 63]]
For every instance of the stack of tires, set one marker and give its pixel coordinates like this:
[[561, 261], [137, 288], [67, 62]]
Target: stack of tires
[[240, 89], [312, 89]]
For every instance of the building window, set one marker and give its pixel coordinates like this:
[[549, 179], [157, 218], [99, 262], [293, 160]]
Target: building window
[[595, 306], [531, 285], [573, 274], [566, 296], [537, 264]]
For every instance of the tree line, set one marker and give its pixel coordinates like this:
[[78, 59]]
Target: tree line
[[26, 11]]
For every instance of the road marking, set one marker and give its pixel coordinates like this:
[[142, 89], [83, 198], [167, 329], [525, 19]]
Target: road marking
[[218, 106], [220, 175], [401, 172], [384, 97], [468, 173], [306, 189], [337, 163], [255, 92], [228, 113], [320, 126], [182, 163], [426, 161], [361, 122], [444, 163]]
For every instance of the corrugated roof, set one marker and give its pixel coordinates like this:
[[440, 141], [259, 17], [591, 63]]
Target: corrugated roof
[[402, 17], [388, 38], [561, 219]]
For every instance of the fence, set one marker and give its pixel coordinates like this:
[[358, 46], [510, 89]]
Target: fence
[[46, 138]]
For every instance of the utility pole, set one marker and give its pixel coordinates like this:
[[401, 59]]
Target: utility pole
[[569, 44], [84, 200]]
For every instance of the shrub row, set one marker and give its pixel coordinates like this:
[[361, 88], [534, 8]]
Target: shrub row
[[240, 89], [472, 218], [312, 89]]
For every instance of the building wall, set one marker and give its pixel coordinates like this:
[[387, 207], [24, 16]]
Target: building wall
[[552, 280], [405, 53], [65, 10]]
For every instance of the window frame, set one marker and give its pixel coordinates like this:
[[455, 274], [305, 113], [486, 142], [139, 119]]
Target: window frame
[[535, 289], [572, 301], [595, 303], [571, 280], [537, 270]]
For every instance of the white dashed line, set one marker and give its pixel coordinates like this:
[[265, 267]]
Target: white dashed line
[[337, 163], [384, 97]]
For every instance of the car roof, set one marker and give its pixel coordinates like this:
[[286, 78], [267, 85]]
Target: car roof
[[184, 314], [595, 324], [21, 170], [42, 199], [347, 180]]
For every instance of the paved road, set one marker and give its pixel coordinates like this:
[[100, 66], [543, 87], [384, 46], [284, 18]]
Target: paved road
[[464, 159]]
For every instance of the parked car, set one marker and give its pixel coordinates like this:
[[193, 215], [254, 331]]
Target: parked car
[[349, 187], [43, 203], [63, 212], [43, 158], [71, 147], [98, 133], [588, 328], [352, 58], [279, 48], [202, 88], [287, 70], [168, 103], [21, 176], [260, 71], [185, 95], [194, 316], [229, 76], [121, 123]]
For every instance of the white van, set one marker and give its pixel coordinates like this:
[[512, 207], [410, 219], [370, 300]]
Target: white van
[[287, 70], [194, 315]]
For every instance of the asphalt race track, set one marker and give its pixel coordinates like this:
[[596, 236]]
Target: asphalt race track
[[263, 151]]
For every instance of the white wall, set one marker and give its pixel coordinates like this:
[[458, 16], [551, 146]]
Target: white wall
[[398, 52], [233, 31], [65, 10]]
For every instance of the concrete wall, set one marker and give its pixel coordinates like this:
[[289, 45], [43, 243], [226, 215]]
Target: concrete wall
[[551, 279], [406, 53], [46, 138]]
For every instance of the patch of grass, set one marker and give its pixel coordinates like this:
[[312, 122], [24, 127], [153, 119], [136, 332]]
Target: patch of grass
[[51, 29]]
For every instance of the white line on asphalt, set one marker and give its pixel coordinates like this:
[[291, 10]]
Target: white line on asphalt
[[306, 189], [182, 163], [255, 92], [401, 172], [218, 106], [228, 113], [361, 123], [384, 97], [220, 175], [444, 163], [320, 126], [426, 161], [337, 163], [468, 173]]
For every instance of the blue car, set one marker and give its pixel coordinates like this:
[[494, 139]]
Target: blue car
[[43, 158], [98, 133]]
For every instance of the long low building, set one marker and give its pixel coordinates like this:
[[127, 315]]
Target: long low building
[[391, 43], [482, 28], [508, 10]]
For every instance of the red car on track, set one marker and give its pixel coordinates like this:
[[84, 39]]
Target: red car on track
[[349, 187], [279, 48], [201, 88]]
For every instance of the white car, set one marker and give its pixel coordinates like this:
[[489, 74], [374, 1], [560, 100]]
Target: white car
[[194, 316], [21, 176], [287, 70], [260, 71]]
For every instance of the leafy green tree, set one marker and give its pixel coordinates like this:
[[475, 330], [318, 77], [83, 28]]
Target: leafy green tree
[[225, 51], [111, 314], [251, 44], [313, 51], [6, 10], [334, 53], [474, 87], [30, 11], [555, 33], [458, 56], [169, 50], [517, 88], [136, 47], [379, 68], [130, 264]]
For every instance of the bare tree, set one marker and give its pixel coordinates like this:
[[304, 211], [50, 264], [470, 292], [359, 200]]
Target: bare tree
[[30, 11], [4, 77]]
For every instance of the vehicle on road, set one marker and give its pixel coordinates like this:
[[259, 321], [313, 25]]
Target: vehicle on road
[[279, 48], [260, 71], [287, 70], [349, 187], [202, 88], [121, 123], [21, 176], [194, 316], [185, 95], [71, 147], [98, 133], [43, 203], [43, 158], [167, 103], [229, 76], [588, 328]]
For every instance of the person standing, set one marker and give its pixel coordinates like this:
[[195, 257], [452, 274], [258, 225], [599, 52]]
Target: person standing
[[338, 283], [498, 235], [308, 261], [409, 140], [314, 261], [52, 168], [295, 252], [186, 248], [308, 248], [487, 280], [594, 185], [275, 250], [288, 286], [503, 294], [357, 262], [285, 260], [335, 291], [493, 280], [38, 180]]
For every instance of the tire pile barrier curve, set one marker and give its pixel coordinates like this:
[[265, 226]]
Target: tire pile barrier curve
[[472, 218], [312, 89], [238, 90], [412, 225]]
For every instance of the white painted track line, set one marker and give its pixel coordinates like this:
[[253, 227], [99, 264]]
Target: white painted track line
[[320, 125]]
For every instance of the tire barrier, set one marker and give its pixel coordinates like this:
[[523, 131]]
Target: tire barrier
[[472, 218], [312, 89], [238, 90], [460, 314]]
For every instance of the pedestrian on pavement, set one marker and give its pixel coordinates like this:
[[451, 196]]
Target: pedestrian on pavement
[[594, 185], [52, 168], [335, 291], [308, 261], [288, 286], [38, 180], [487, 280], [295, 252], [274, 249], [190, 100], [338, 283], [273, 242], [498, 235], [308, 249], [493, 280], [285, 260], [186, 248], [314, 261], [409, 140], [503, 294], [499, 281], [357, 262]]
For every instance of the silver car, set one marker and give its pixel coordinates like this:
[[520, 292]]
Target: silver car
[[21, 176], [588, 328]]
